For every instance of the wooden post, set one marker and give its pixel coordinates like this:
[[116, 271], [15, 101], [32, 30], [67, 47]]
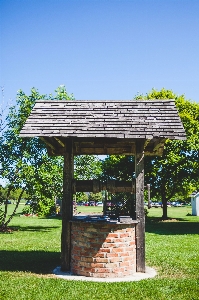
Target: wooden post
[[140, 215], [67, 207], [149, 195]]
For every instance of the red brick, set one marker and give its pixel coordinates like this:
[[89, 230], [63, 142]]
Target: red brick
[[115, 259], [112, 265], [76, 253], [125, 253], [100, 254], [81, 239], [82, 273], [104, 229], [103, 270], [108, 240], [106, 250], [86, 259], [112, 254], [84, 264], [101, 260], [126, 258], [118, 270], [125, 264], [130, 248], [108, 245], [118, 250], [76, 257], [130, 268], [97, 265], [82, 243], [97, 249], [91, 229], [133, 258], [113, 235], [123, 235], [130, 229], [76, 248], [127, 273], [119, 240], [132, 243], [122, 245]]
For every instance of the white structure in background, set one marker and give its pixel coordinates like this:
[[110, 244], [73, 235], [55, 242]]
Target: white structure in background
[[195, 204]]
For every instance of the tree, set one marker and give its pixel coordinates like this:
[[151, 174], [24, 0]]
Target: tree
[[95, 197], [118, 167], [25, 163], [176, 172], [87, 167], [121, 168], [4, 105]]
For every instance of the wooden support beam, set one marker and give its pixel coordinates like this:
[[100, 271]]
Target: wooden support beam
[[48, 144], [149, 195], [60, 142], [67, 207], [95, 186], [140, 215]]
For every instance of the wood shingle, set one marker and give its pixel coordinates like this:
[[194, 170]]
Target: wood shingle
[[55, 121]]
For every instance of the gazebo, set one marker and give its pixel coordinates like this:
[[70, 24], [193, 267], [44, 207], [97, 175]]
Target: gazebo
[[102, 247]]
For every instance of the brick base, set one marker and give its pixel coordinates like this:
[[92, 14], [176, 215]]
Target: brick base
[[103, 249]]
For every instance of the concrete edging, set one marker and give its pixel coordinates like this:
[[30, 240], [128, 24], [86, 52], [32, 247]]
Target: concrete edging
[[150, 273]]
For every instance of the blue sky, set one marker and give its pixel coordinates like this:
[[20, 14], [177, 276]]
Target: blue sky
[[99, 49]]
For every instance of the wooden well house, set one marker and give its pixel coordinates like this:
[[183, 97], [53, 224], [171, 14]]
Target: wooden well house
[[104, 247]]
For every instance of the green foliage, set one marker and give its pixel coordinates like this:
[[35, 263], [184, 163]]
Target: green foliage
[[43, 208], [3, 193], [118, 167], [81, 196], [46, 208], [61, 94], [1, 204], [24, 161], [95, 197], [27, 210], [146, 212], [87, 167], [176, 173], [14, 194]]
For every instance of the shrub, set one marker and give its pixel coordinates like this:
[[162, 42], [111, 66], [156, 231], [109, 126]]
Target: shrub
[[27, 210], [146, 212], [46, 207]]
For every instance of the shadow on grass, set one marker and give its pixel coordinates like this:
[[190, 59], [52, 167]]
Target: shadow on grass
[[37, 228], [178, 226], [11, 229], [39, 262], [54, 217]]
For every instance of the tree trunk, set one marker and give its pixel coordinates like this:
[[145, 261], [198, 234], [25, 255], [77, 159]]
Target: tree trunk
[[16, 206], [3, 222], [164, 205]]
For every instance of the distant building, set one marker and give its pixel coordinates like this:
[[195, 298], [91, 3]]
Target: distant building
[[195, 203]]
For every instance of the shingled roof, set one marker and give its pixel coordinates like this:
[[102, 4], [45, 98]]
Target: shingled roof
[[96, 121]]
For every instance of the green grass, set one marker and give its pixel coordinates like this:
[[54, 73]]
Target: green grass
[[90, 209], [29, 254]]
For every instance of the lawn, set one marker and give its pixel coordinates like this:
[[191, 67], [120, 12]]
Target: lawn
[[32, 251]]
